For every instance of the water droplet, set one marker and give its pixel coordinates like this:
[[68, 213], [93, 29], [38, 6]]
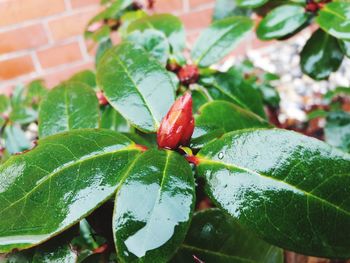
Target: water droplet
[[221, 155]]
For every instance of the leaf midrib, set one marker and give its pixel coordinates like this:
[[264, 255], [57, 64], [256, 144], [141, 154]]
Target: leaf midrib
[[120, 62], [217, 40], [326, 9], [208, 161], [231, 96], [64, 167], [168, 153]]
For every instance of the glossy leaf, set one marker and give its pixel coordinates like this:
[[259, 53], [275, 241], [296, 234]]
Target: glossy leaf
[[63, 179], [153, 41], [290, 189], [111, 119], [153, 207], [102, 48], [337, 130], [218, 117], [216, 237], [136, 85], [170, 25], [334, 18], [219, 40], [251, 3], [345, 47], [227, 8], [15, 139], [87, 77], [282, 21], [72, 105], [321, 56], [127, 18], [231, 86]]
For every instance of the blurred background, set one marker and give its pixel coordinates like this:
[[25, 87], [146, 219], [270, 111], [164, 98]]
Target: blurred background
[[41, 39], [44, 38]]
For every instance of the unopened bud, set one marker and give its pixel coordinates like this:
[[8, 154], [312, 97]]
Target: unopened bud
[[177, 126], [188, 74]]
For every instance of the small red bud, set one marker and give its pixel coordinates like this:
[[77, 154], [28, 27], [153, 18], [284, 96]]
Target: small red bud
[[101, 98], [188, 74], [177, 126], [312, 7], [100, 249]]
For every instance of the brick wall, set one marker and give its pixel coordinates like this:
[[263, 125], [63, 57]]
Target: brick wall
[[43, 38]]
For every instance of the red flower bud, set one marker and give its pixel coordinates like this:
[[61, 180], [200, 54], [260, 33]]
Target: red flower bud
[[101, 98], [177, 126], [188, 74], [312, 7]]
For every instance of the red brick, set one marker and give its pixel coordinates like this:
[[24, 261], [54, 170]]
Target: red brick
[[15, 67], [58, 55], [56, 77], [83, 3], [15, 11], [196, 20], [22, 38], [166, 6], [198, 3], [68, 26]]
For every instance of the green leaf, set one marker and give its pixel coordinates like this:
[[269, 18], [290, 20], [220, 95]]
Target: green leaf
[[334, 19], [200, 96], [136, 85], [231, 86], [153, 41], [102, 48], [290, 189], [111, 119], [113, 11], [4, 103], [15, 139], [337, 130], [59, 253], [23, 114], [87, 77], [153, 207], [72, 105], [58, 249], [345, 47], [227, 8], [86, 242], [282, 21], [128, 18], [36, 91], [170, 25], [62, 180], [251, 3], [321, 56], [216, 237], [218, 117], [220, 39]]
